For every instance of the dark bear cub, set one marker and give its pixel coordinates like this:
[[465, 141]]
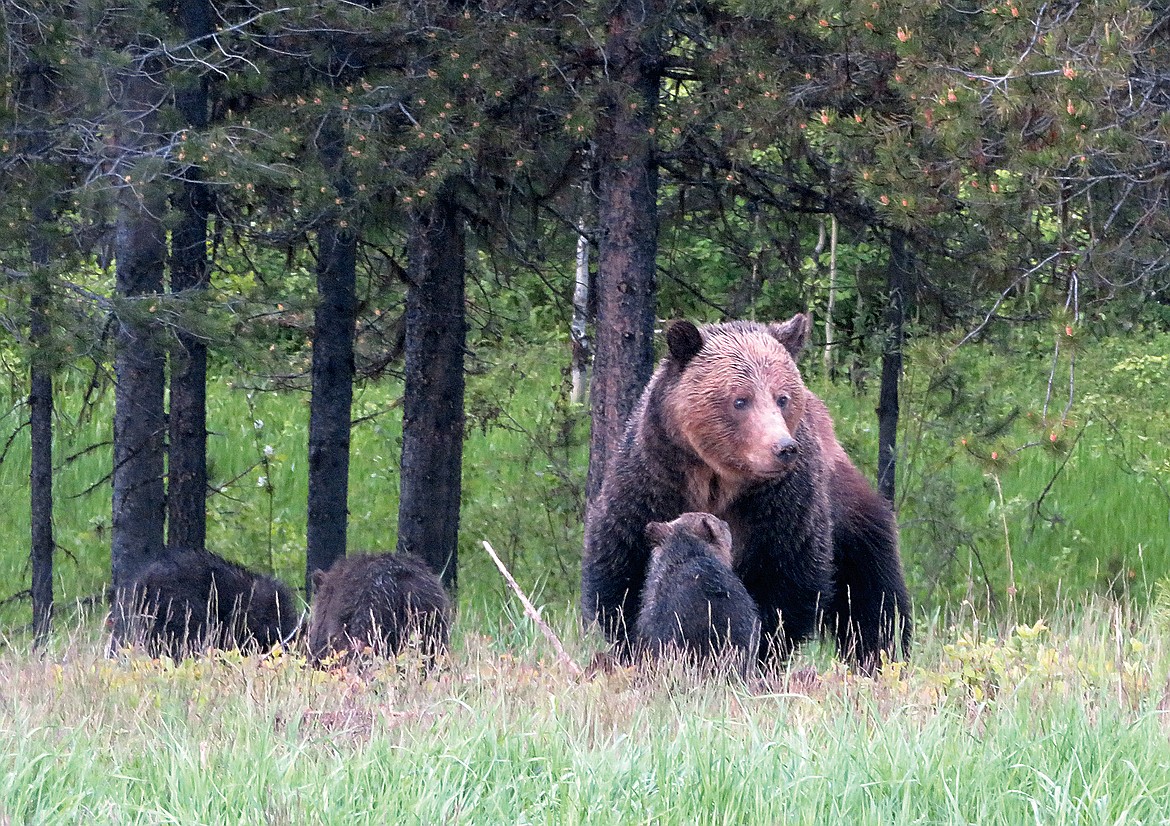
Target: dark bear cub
[[378, 602], [693, 602], [189, 601]]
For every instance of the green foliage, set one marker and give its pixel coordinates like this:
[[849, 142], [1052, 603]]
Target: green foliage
[[524, 476], [1002, 484], [982, 666], [1144, 373]]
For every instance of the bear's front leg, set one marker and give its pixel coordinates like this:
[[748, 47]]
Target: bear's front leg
[[870, 612]]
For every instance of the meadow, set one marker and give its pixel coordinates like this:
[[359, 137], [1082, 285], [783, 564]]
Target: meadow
[[1057, 722], [1036, 540]]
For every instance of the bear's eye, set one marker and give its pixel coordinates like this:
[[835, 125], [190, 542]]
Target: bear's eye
[[741, 403], [782, 402]]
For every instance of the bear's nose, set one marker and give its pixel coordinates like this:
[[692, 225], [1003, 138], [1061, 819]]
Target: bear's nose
[[786, 448]]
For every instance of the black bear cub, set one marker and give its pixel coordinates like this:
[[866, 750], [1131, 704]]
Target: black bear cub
[[378, 603], [693, 603], [188, 601]]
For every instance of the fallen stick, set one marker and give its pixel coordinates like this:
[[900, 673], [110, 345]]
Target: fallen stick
[[534, 615]]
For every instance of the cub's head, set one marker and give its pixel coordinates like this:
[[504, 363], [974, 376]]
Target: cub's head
[[708, 529], [738, 398]]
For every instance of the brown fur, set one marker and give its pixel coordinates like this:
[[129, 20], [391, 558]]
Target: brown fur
[[188, 601], [379, 603], [694, 606], [727, 426], [735, 445], [711, 530]]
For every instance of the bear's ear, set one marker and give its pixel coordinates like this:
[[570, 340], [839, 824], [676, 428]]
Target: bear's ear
[[318, 577], [793, 333], [683, 340], [710, 531], [720, 533], [657, 532]]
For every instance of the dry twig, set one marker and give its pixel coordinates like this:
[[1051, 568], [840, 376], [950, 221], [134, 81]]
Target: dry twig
[[534, 614]]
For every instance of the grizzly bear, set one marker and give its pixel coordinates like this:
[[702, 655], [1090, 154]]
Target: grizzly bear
[[726, 426], [693, 603], [377, 602], [188, 601]]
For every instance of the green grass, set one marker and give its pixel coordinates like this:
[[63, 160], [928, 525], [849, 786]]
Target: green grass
[[1088, 513], [1059, 723]]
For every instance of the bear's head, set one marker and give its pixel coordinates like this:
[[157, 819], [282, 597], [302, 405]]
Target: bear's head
[[737, 398], [707, 528]]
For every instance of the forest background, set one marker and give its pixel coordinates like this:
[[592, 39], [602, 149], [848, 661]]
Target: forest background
[[267, 266]]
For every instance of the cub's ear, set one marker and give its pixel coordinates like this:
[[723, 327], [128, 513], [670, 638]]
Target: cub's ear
[[719, 532], [657, 532], [318, 577], [710, 531], [793, 333], [716, 530], [683, 340]]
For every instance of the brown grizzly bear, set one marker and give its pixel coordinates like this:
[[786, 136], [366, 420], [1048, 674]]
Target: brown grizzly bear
[[191, 600], [727, 426], [377, 602], [693, 602]]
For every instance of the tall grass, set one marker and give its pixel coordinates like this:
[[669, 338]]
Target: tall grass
[[999, 486], [1056, 723], [1000, 718]]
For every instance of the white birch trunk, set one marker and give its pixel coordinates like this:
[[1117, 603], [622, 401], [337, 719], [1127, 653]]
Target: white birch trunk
[[578, 328], [829, 343]]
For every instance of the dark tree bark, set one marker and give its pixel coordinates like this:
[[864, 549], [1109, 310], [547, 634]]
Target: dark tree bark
[[432, 426], [37, 93], [139, 356], [187, 453], [333, 367], [627, 228], [898, 284], [40, 402]]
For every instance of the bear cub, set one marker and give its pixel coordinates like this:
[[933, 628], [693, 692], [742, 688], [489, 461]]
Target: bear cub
[[378, 602], [693, 603], [188, 601]]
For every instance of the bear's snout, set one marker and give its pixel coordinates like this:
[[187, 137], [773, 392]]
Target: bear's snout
[[785, 449]]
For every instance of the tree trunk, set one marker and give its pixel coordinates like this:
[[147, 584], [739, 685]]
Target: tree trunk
[[627, 227], [830, 329], [898, 283], [38, 95], [187, 457], [139, 357], [139, 421], [40, 402], [333, 366], [579, 326], [432, 426]]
